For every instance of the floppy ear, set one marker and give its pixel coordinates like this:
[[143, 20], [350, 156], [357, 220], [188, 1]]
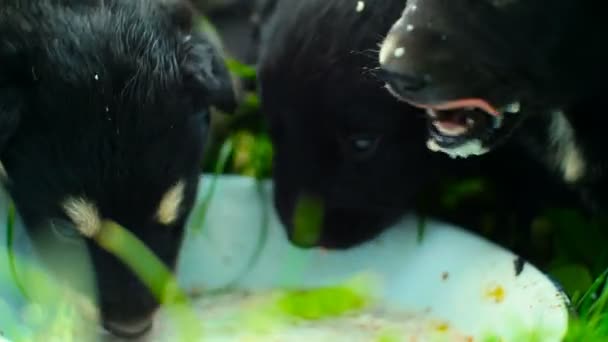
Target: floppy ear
[[204, 66], [180, 13], [12, 94], [222, 91]]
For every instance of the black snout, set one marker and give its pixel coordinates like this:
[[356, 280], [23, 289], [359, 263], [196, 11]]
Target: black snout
[[127, 305], [419, 66], [413, 63], [402, 82], [345, 228], [129, 330], [439, 51]]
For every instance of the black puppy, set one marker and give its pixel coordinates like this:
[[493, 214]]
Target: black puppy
[[103, 116], [484, 68], [338, 136], [341, 139]]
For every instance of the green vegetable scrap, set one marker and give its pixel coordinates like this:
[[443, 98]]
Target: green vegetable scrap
[[241, 70], [308, 220], [252, 154], [321, 303], [456, 192], [388, 336]]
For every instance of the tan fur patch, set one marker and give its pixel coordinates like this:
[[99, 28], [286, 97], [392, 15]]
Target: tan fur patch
[[568, 156], [84, 215], [169, 206]]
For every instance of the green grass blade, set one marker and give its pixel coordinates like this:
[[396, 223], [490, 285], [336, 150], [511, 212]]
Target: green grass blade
[[152, 272], [200, 211], [10, 240]]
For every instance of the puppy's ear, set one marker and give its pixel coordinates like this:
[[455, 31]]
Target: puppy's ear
[[12, 91], [202, 66], [181, 13], [206, 70]]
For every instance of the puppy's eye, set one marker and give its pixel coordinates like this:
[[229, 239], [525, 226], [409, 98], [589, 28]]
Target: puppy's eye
[[64, 230], [361, 146]]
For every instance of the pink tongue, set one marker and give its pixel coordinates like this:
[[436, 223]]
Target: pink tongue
[[466, 103], [462, 104], [450, 124]]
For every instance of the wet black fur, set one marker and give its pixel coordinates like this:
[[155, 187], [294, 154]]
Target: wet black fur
[[318, 91], [106, 100]]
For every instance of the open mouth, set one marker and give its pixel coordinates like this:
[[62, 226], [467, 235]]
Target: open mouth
[[460, 127], [466, 124]]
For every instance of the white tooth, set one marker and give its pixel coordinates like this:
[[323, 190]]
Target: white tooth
[[470, 122], [497, 121], [431, 113], [452, 131], [513, 108], [432, 145]]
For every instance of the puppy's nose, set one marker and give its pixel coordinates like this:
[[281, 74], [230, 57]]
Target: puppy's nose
[[401, 82], [129, 330], [398, 67], [408, 58]]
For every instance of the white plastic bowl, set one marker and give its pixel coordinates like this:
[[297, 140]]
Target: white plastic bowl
[[451, 272], [458, 277]]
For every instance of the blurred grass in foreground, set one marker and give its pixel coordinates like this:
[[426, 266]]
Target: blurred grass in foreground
[[589, 322], [54, 312]]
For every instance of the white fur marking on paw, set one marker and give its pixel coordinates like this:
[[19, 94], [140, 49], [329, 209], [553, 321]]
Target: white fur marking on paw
[[568, 157], [84, 215], [170, 203]]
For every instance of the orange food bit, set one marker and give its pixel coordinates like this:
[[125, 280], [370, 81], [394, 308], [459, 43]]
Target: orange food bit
[[496, 293]]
